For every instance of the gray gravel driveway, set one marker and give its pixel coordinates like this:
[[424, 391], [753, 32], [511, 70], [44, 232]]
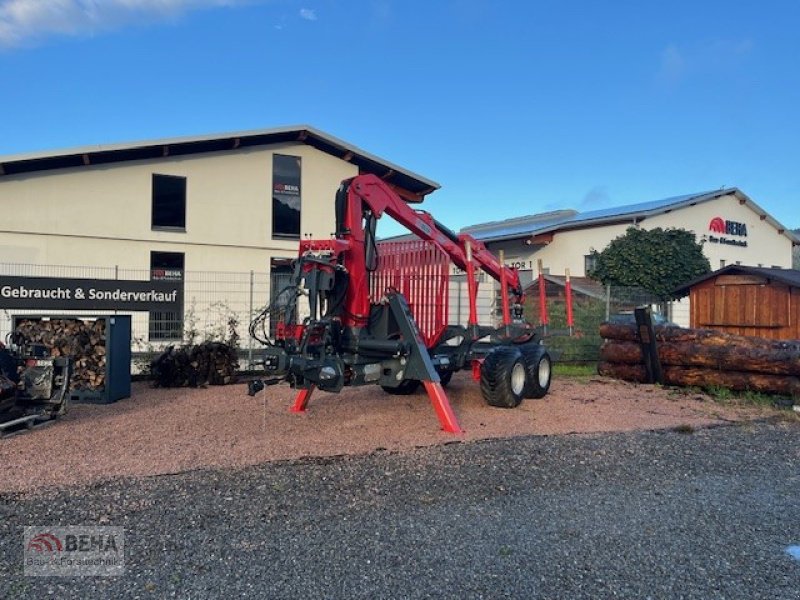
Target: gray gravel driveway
[[708, 514]]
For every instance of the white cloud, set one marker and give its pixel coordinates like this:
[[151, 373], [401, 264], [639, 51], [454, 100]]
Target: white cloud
[[673, 64], [704, 58], [23, 20], [308, 14]]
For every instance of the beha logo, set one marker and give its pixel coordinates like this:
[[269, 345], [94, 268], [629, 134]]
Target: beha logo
[[45, 542], [718, 225]]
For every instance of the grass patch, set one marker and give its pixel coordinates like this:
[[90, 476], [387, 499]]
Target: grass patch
[[748, 397], [579, 371], [720, 394]]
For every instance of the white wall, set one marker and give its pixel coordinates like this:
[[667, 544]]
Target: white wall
[[101, 215], [765, 245]]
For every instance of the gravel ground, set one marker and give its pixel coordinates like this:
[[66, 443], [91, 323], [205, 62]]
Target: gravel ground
[[159, 431], [634, 515]]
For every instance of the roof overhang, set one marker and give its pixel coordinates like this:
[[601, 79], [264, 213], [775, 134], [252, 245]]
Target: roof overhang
[[411, 186], [790, 277]]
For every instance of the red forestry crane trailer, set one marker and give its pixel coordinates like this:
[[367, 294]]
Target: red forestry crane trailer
[[350, 338]]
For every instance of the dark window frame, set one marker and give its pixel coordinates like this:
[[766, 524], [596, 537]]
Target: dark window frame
[[279, 180], [589, 263], [159, 212], [166, 326]]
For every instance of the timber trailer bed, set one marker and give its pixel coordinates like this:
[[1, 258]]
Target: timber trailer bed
[[377, 312]]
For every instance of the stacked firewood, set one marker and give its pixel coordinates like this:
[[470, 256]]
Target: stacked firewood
[[704, 358], [209, 363], [82, 340]]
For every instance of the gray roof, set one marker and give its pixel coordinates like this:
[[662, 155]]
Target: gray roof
[[150, 149], [522, 227], [518, 226], [790, 277]]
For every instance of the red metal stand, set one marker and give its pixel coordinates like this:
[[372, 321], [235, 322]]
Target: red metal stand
[[301, 401], [441, 405], [472, 287], [504, 292]]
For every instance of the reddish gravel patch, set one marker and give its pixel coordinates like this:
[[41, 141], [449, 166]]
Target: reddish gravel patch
[[159, 431]]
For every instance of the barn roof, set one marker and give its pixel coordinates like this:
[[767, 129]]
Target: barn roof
[[551, 222], [790, 277], [180, 146]]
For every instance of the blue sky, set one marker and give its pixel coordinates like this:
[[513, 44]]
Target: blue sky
[[514, 107]]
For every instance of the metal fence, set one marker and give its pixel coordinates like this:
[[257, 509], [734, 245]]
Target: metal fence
[[220, 306], [581, 344], [217, 306]]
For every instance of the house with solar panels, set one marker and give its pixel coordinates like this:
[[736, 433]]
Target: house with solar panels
[[735, 231]]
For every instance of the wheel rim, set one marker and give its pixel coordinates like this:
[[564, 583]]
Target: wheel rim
[[518, 378], [544, 373]]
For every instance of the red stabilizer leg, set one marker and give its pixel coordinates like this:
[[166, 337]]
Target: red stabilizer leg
[[301, 401], [442, 406]]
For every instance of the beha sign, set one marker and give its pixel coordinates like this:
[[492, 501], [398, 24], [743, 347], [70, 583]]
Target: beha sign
[[89, 294], [720, 225]]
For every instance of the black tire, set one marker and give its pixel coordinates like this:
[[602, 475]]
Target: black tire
[[539, 367], [445, 377], [8, 366], [406, 388], [503, 377]]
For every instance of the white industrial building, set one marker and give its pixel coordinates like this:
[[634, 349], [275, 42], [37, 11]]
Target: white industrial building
[[734, 229]]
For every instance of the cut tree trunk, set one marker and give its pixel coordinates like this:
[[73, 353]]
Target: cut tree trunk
[[753, 357], [784, 385], [625, 372], [707, 337]]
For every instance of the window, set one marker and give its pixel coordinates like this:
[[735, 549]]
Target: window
[[589, 263], [281, 294], [166, 325], [169, 202], [286, 196], [721, 263]]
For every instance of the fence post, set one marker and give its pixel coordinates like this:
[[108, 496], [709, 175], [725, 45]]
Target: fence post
[[608, 301], [250, 319], [543, 317]]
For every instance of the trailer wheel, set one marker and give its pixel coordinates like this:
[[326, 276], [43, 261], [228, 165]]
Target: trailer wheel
[[445, 377], [406, 388], [504, 377], [539, 365]]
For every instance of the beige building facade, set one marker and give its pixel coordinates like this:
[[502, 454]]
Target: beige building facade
[[234, 203]]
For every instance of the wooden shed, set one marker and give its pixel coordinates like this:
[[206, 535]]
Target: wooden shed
[[743, 300]]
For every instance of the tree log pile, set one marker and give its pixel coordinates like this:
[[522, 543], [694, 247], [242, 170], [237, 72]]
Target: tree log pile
[[704, 358], [209, 363], [82, 340]]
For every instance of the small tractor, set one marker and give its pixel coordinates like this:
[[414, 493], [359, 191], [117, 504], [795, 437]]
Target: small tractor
[[34, 386], [377, 312]]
